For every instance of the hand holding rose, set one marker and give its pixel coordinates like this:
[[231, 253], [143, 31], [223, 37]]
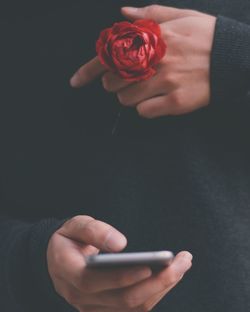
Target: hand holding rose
[[182, 80]]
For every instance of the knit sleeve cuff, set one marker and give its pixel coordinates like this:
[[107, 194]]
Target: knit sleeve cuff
[[230, 61], [39, 239]]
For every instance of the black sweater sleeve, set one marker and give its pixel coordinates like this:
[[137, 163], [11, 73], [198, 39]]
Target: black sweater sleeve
[[230, 61], [25, 284]]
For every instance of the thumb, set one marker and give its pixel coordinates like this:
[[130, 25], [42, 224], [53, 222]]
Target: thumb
[[158, 13], [89, 231]]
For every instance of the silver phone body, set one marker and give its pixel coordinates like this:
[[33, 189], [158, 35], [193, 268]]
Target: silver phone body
[[152, 259]]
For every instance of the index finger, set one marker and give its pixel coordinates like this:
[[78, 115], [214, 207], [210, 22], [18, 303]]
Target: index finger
[[87, 73], [159, 13], [93, 232]]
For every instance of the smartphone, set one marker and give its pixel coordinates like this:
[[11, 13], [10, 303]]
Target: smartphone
[[155, 259]]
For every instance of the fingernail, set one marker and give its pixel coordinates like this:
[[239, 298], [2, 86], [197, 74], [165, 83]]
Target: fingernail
[[74, 81], [115, 241], [130, 10], [188, 256]]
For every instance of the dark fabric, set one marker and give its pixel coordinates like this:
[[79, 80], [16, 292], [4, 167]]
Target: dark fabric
[[230, 70], [23, 250], [171, 183]]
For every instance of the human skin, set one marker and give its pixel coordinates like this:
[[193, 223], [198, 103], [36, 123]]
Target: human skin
[[134, 289], [182, 81]]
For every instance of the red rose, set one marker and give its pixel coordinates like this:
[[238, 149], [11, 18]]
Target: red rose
[[131, 50]]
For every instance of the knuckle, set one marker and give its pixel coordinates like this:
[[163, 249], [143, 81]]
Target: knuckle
[[152, 9], [89, 229], [171, 36], [169, 78], [73, 221], [79, 220], [122, 98], [106, 83], [177, 99], [145, 112]]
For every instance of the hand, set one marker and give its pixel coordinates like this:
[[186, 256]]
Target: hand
[[131, 289], [182, 82]]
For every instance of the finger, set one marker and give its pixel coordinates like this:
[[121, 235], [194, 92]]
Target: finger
[[99, 234], [148, 306], [113, 83], [138, 294], [170, 104], [158, 13], [154, 300], [87, 73], [86, 288], [94, 281], [141, 91]]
